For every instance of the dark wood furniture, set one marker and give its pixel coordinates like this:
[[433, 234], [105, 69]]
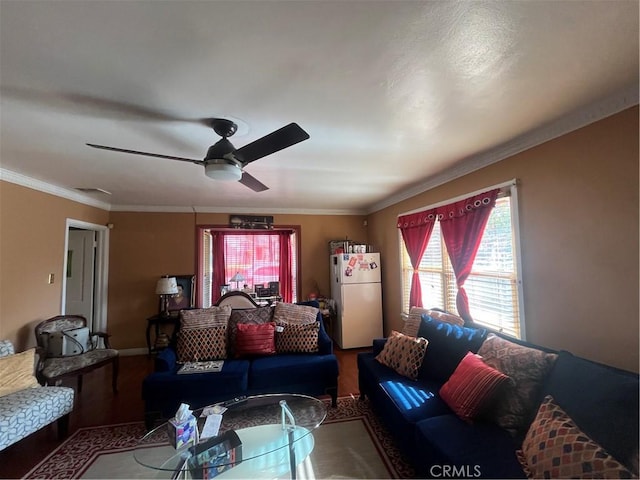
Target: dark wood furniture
[[53, 369], [157, 321], [237, 299]]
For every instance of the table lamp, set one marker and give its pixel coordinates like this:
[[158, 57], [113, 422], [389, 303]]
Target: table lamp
[[166, 287], [237, 278]]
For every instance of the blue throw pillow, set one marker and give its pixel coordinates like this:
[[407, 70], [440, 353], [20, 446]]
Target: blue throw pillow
[[448, 344]]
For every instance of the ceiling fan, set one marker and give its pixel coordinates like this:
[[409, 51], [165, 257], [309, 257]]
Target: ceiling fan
[[224, 162]]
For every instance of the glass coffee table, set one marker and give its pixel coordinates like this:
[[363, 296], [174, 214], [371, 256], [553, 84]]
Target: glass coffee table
[[275, 432]]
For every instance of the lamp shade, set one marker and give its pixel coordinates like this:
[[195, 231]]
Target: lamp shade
[[167, 286], [237, 278]]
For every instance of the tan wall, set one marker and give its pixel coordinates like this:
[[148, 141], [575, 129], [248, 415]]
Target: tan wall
[[32, 233], [145, 246], [579, 212]]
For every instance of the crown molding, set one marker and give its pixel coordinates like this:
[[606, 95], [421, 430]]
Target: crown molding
[[238, 210], [39, 185], [579, 118]]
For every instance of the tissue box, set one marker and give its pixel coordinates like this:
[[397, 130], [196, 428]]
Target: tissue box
[[182, 434]]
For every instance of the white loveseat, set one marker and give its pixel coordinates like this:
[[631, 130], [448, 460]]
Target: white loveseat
[[28, 409]]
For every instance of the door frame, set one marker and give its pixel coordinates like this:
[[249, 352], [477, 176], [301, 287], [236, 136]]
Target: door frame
[[101, 273]]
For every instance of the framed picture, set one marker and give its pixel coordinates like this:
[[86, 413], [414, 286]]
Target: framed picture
[[185, 298]]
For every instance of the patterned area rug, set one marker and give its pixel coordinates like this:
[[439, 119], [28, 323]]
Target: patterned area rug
[[351, 443]]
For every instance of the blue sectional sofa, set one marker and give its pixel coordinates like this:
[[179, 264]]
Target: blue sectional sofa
[[601, 400], [313, 374]]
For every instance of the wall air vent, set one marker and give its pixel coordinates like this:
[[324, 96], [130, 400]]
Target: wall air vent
[[91, 190]]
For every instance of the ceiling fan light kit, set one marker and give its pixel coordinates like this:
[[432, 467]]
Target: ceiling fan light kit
[[225, 172], [226, 163]]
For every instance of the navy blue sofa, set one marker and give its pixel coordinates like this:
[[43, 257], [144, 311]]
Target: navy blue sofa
[[314, 374], [602, 400]]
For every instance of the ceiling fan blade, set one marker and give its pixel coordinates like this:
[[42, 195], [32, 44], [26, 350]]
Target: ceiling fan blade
[[147, 154], [271, 143], [253, 183]]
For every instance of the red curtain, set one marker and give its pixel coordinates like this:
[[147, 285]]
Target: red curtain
[[218, 279], [463, 225], [416, 229], [285, 277]]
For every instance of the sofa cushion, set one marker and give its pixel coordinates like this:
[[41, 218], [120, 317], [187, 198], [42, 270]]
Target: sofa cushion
[[296, 314], [203, 334], [478, 450], [292, 338], [27, 410], [253, 316], [608, 408], [472, 386], [271, 374], [403, 353], [169, 390], [448, 344], [527, 367], [16, 372], [254, 340], [555, 447]]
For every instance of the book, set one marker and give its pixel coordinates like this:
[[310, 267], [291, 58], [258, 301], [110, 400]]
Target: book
[[201, 367]]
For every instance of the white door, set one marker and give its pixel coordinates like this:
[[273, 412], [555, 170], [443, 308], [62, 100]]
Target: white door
[[80, 274]]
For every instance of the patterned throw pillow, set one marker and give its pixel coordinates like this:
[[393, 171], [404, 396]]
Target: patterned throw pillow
[[16, 372], [555, 447], [297, 338], [403, 353], [252, 316], [203, 334], [471, 386], [412, 325], [528, 368], [253, 340], [295, 314]]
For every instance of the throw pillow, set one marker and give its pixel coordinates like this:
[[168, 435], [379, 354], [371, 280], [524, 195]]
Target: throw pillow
[[252, 340], [528, 368], [471, 387], [253, 316], [448, 344], [403, 353], [203, 317], [296, 314], [555, 447], [203, 334], [16, 372], [291, 338], [412, 324]]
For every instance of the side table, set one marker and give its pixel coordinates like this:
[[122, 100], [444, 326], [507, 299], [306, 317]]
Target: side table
[[157, 321]]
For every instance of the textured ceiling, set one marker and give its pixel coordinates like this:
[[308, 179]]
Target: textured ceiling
[[396, 96]]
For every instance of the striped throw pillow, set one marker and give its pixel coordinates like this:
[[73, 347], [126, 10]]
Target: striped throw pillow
[[292, 313], [471, 386], [254, 340], [203, 334]]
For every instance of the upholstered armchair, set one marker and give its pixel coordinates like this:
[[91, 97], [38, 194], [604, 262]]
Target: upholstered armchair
[[52, 369]]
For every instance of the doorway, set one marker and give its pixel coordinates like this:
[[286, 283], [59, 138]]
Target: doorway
[[84, 280]]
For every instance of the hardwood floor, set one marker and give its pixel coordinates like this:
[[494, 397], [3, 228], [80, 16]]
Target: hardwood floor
[[97, 405]]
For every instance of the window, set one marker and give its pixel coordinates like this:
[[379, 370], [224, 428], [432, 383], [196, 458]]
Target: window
[[254, 255], [493, 288]]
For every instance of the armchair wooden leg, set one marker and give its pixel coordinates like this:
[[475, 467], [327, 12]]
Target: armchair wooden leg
[[79, 383], [63, 426], [114, 372]]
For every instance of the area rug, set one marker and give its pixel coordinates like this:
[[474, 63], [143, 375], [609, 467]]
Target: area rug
[[351, 443]]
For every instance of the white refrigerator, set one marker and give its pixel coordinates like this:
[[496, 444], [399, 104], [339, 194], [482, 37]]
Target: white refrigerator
[[355, 287]]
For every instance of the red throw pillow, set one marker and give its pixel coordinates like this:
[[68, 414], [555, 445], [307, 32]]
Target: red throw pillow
[[255, 339], [471, 386]]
